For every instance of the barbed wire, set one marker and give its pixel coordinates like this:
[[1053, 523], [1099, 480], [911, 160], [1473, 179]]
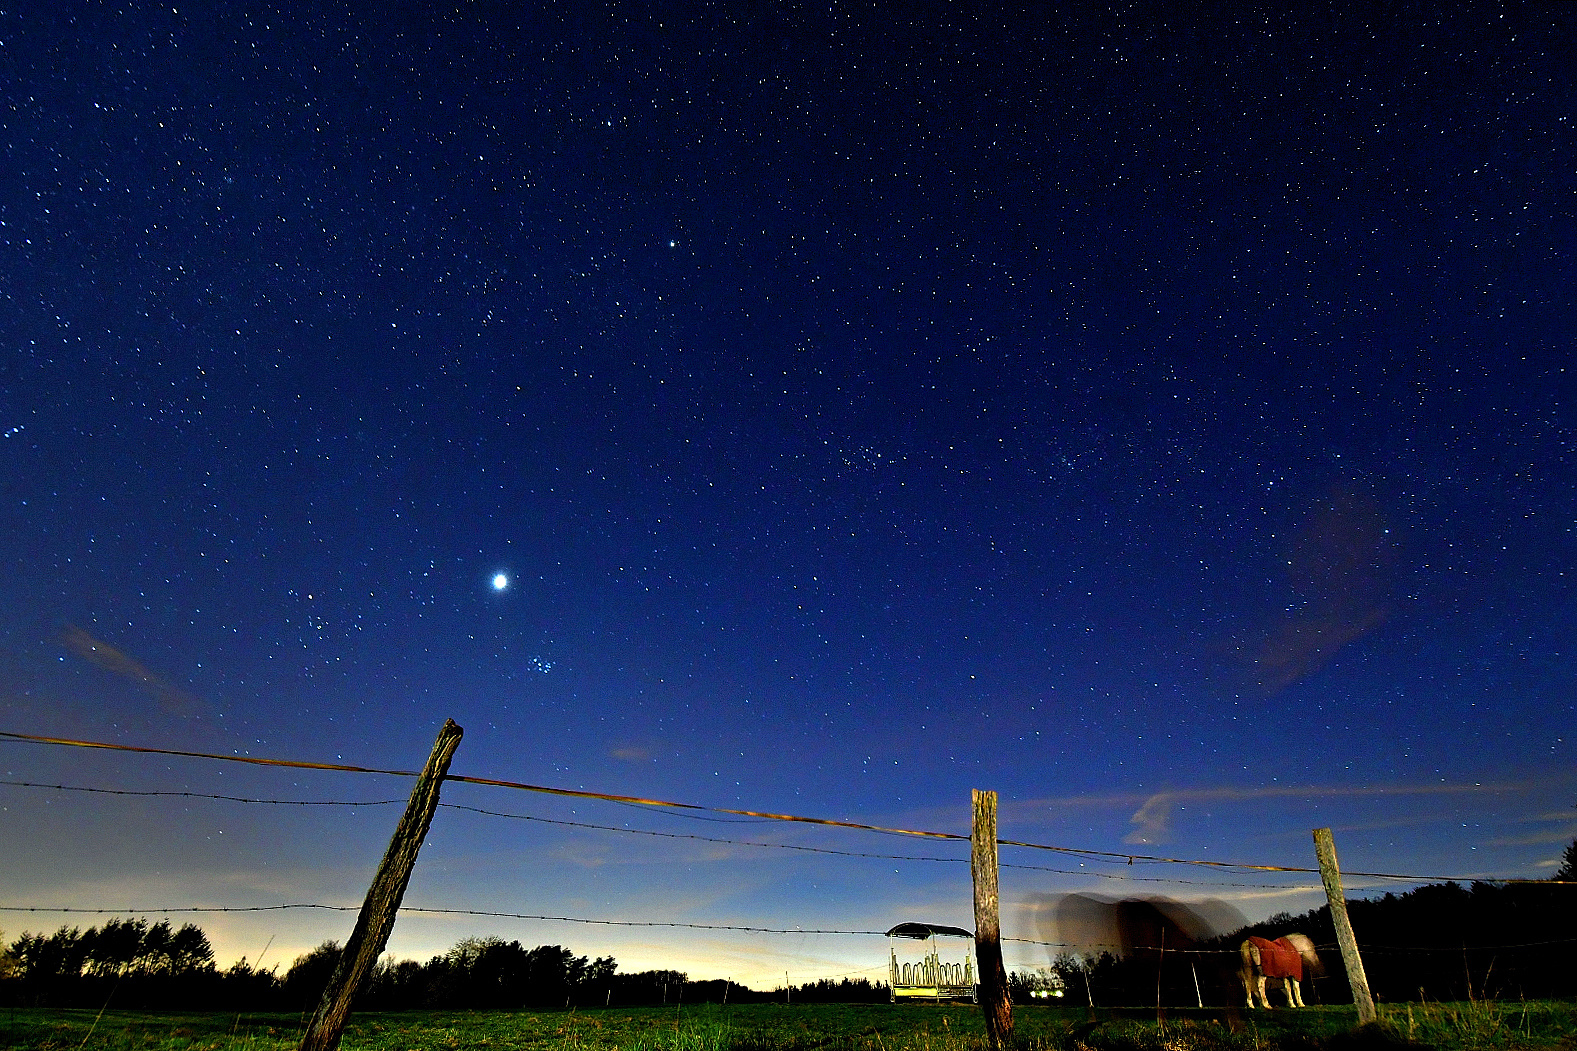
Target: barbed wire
[[700, 839], [1169, 880], [204, 795], [857, 854], [426, 911], [253, 760], [170, 910], [1115, 946], [743, 928], [641, 923], [1112, 857], [642, 832], [1326, 946]]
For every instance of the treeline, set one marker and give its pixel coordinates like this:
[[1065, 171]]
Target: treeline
[[133, 964], [139, 965], [842, 991], [1438, 942], [1510, 941], [492, 974]]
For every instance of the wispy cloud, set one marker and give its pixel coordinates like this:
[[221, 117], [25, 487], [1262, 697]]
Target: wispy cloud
[[1556, 815], [171, 698], [1555, 836], [1338, 567], [1152, 820]]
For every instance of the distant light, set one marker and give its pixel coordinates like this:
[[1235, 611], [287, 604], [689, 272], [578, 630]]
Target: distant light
[[500, 581]]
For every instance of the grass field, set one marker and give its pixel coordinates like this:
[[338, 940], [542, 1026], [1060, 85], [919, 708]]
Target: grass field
[[1541, 1026]]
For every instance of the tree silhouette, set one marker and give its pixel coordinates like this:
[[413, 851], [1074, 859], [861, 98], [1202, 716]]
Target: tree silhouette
[[307, 977], [1568, 869], [188, 950]]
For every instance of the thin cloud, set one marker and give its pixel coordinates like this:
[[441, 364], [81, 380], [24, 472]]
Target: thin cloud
[[1557, 815], [171, 698], [1153, 819], [1298, 648], [1555, 836], [1154, 811], [1111, 800], [1338, 567]]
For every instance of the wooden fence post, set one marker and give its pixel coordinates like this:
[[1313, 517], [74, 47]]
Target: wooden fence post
[[1331, 876], [376, 920], [995, 999]]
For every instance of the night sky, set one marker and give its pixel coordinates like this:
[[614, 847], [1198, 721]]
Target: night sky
[[1163, 420]]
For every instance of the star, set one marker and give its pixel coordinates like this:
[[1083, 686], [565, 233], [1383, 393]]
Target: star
[[500, 581]]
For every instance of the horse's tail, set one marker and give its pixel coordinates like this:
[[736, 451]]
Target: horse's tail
[[1251, 961]]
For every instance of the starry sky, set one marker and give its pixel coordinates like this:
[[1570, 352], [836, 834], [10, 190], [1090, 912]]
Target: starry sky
[[1164, 421]]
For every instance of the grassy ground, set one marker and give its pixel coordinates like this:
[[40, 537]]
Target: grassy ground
[[820, 1027]]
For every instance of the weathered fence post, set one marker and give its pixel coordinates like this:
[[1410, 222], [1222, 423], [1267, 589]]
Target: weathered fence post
[[1331, 876], [995, 1000], [376, 920]]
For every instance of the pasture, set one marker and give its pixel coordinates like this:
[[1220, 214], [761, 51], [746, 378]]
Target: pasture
[[811, 1027]]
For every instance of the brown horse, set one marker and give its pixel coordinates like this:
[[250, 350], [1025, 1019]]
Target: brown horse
[[1284, 959]]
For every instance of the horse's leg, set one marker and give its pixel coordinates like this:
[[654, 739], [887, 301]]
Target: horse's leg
[[1263, 999], [1294, 997]]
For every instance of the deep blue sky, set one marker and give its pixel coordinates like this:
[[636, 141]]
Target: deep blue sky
[[865, 407]]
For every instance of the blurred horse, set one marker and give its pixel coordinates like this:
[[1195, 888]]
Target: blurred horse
[[1283, 959], [1158, 946]]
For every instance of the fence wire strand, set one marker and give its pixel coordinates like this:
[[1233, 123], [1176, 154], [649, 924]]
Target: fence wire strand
[[1170, 880], [204, 795], [420, 910], [1106, 856], [499, 914]]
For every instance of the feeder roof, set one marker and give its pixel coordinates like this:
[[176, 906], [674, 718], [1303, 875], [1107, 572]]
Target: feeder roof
[[926, 930]]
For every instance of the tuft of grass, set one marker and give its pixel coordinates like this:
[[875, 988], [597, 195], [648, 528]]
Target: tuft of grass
[[1484, 1025], [703, 1029]]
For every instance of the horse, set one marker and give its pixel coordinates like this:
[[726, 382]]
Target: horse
[[1151, 947], [1285, 958]]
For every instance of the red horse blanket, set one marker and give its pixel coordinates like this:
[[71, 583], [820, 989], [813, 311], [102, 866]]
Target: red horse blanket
[[1278, 959]]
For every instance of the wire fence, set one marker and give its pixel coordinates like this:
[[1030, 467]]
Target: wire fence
[[1083, 854], [1080, 852], [665, 835]]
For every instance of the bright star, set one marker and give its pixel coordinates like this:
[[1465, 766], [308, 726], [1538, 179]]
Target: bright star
[[500, 581]]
